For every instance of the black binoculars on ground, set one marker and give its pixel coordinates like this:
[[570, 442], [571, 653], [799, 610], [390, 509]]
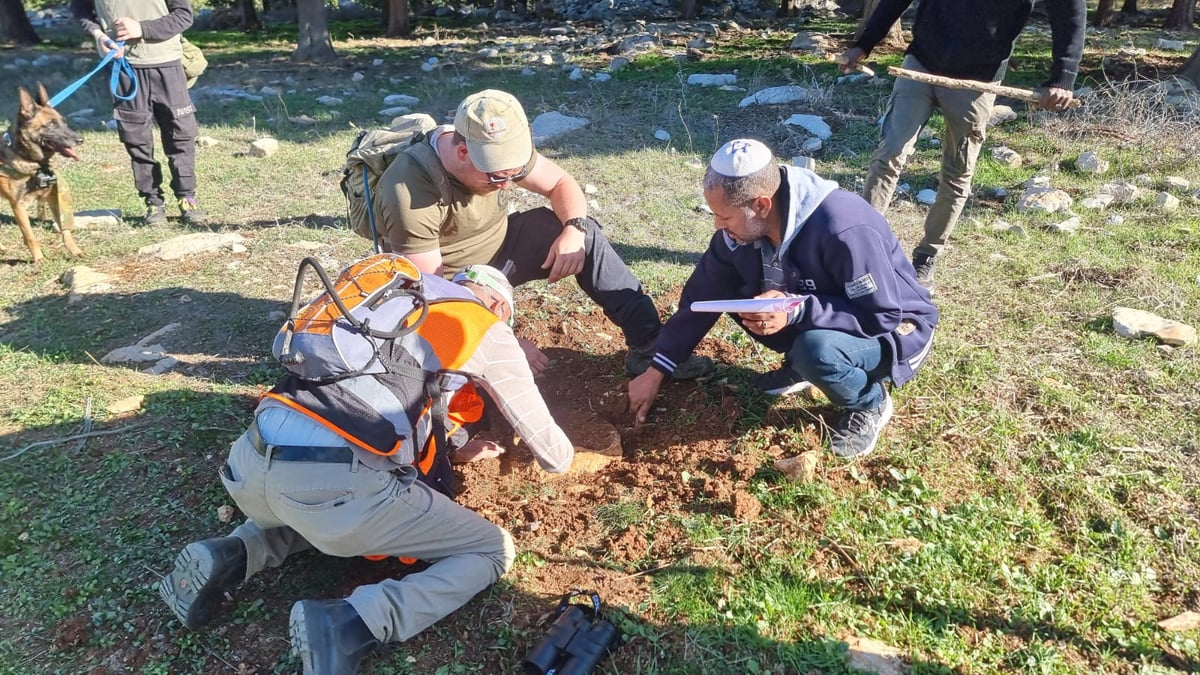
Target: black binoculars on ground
[[578, 640]]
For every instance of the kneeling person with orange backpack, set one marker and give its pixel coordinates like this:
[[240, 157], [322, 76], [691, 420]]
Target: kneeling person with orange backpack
[[348, 454]]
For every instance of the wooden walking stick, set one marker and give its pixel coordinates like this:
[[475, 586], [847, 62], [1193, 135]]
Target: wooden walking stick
[[973, 85]]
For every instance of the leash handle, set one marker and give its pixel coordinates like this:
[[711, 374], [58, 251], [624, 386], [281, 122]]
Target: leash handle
[[121, 65]]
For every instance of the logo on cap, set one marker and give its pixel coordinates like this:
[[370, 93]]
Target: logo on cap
[[496, 126]]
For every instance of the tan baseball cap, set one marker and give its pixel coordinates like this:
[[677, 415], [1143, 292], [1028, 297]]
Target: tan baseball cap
[[496, 129]]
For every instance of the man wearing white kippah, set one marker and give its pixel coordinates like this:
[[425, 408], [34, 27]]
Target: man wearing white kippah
[[860, 317], [438, 203]]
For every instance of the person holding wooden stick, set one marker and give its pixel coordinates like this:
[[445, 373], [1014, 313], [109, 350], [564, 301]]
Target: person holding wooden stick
[[961, 39]]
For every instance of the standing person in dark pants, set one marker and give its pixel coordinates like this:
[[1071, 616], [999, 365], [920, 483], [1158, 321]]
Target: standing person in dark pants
[[963, 39], [439, 205], [151, 30]]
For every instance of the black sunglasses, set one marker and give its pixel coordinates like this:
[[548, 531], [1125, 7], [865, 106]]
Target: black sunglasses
[[493, 179]]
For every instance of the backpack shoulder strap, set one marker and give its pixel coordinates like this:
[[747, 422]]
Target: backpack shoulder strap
[[423, 154]]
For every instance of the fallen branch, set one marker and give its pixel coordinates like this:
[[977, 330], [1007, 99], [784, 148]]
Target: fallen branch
[[76, 437], [973, 85]]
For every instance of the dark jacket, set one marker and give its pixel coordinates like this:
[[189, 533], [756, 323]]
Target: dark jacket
[[839, 254], [972, 39]]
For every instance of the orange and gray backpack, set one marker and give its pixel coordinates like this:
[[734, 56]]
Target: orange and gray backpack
[[374, 357]]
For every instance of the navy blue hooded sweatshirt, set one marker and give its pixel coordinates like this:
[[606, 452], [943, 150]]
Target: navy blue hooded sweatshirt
[[839, 254]]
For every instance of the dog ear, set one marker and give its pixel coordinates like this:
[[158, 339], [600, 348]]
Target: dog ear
[[26, 110], [43, 97]]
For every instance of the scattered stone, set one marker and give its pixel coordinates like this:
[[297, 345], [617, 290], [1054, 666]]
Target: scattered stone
[[225, 513], [1097, 202], [802, 467], [589, 189], [927, 197], [161, 366], [1038, 181], [190, 244], [909, 545], [401, 99], [1090, 162], [618, 63], [698, 43], [329, 101], [394, 111], [357, 77], [84, 279], [1169, 45], [276, 315], [97, 219], [662, 135], [303, 120], [637, 44], [1137, 323], [134, 354], [527, 71], [999, 193], [488, 53], [711, 80], [812, 145], [1068, 226], [1007, 156], [206, 141], [1181, 622], [602, 77], [264, 147], [126, 405], [1001, 114], [786, 94], [813, 124], [805, 163], [1166, 201], [874, 656], [377, 62], [576, 74], [1143, 179], [1177, 183], [1044, 200], [551, 124], [1114, 219], [746, 506], [1123, 192]]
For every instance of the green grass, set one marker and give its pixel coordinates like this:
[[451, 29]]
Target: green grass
[[1031, 508]]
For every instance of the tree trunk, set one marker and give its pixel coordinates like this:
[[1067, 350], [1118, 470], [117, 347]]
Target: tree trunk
[[894, 38], [1103, 11], [312, 41], [14, 24], [1191, 69], [1129, 7], [687, 9], [1182, 16], [250, 20], [399, 21]]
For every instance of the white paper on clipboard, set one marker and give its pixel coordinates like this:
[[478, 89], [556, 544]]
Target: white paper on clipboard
[[749, 305]]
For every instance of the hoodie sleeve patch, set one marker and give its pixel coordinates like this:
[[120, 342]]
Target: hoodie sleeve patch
[[864, 285]]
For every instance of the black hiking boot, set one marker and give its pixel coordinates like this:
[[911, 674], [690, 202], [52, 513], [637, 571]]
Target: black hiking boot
[[329, 637], [156, 214], [857, 431], [191, 214], [923, 263], [204, 572]]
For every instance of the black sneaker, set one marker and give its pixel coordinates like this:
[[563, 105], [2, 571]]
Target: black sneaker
[[203, 572], [191, 214], [923, 263], [637, 361], [780, 382], [329, 637], [156, 214], [857, 431]]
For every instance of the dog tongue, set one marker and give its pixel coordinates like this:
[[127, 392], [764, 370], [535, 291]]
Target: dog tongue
[[68, 152]]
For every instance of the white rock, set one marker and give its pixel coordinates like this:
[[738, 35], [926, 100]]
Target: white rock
[[97, 219], [401, 99], [377, 62], [276, 315], [1007, 156], [711, 80], [576, 74], [1136, 323], [662, 135], [935, 142], [589, 189], [602, 77], [206, 141], [1090, 162], [1038, 181], [772, 95], [551, 124], [813, 124], [1001, 114], [161, 366], [527, 71], [1177, 183], [904, 187], [134, 354], [1123, 192], [268, 90], [1166, 201], [1114, 219], [618, 63], [812, 145], [927, 197], [191, 244], [125, 405], [357, 77], [874, 656], [1169, 45], [264, 147], [1044, 200], [329, 101], [225, 513], [428, 67], [394, 111], [1068, 226], [84, 279], [1097, 202], [488, 53], [1186, 621]]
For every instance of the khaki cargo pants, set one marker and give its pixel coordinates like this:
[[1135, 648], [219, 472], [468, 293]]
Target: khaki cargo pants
[[966, 114], [351, 509]]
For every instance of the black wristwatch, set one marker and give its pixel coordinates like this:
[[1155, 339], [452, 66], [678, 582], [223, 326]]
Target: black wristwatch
[[580, 224]]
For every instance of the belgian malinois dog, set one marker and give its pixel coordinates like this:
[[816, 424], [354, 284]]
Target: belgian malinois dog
[[40, 133]]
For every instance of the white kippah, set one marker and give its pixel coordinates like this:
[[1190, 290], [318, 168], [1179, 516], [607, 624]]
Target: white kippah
[[740, 157]]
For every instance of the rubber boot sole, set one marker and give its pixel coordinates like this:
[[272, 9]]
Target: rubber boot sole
[[188, 582]]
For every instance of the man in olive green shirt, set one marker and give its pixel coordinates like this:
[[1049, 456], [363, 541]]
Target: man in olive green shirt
[[439, 204]]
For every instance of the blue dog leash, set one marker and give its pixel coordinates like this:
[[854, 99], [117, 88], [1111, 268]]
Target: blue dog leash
[[120, 65]]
